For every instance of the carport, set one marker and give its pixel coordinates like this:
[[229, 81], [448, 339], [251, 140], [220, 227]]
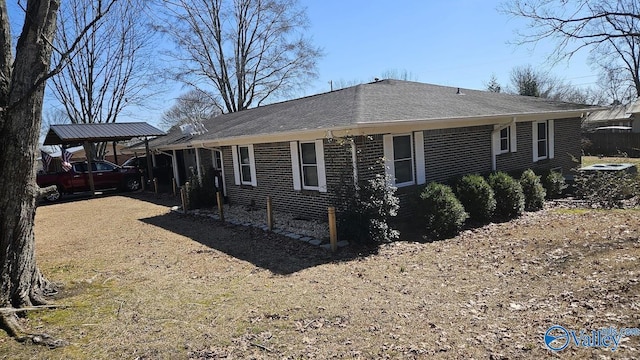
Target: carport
[[83, 134]]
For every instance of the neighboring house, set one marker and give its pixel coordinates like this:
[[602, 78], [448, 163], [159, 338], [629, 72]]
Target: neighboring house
[[299, 152], [617, 118]]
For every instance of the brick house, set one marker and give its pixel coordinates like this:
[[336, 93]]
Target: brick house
[[300, 151]]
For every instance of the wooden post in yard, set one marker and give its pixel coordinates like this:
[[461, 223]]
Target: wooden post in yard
[[220, 205], [187, 190], [269, 214], [173, 185], [183, 196], [333, 231], [155, 185]]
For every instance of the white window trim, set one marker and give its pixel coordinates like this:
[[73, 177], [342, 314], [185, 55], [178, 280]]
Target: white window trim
[[296, 166], [390, 162], [550, 140], [497, 145], [236, 166], [420, 170]]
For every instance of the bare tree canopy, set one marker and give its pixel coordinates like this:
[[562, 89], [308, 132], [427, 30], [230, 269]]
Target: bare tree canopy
[[22, 83], [528, 81], [192, 106], [249, 51], [110, 69], [609, 29]]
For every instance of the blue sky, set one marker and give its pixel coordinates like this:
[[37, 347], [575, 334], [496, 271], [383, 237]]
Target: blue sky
[[457, 43]]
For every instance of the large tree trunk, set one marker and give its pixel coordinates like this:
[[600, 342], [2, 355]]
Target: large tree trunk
[[21, 283]]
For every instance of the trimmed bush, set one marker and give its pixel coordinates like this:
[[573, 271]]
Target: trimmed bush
[[477, 197], [442, 212], [365, 217], [508, 194], [555, 184], [533, 191], [202, 191]]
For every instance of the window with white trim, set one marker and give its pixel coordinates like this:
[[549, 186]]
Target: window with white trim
[[307, 165], [403, 160], [543, 140], [505, 137], [244, 165]]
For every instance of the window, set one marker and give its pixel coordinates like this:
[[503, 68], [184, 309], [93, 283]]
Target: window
[[505, 135], [307, 165], [543, 140], [244, 165], [102, 166], [80, 167], [504, 139], [217, 160], [404, 158]]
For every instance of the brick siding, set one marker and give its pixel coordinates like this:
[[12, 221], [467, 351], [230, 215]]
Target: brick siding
[[567, 148], [274, 178], [449, 153], [454, 152]]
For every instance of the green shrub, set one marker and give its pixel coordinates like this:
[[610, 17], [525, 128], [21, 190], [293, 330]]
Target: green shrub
[[508, 194], [365, 215], [477, 197], [442, 212], [202, 191], [533, 191], [555, 184]]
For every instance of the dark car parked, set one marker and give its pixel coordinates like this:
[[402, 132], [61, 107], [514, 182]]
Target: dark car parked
[[106, 175]]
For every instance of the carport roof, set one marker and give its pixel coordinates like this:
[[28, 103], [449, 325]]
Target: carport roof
[[77, 133]]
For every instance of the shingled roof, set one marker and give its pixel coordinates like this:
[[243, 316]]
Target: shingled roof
[[379, 103], [78, 133]]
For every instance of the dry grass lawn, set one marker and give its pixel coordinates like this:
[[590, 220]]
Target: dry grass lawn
[[590, 160], [143, 283]]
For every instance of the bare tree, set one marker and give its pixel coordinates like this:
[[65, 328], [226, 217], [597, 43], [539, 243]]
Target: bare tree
[[249, 51], [615, 84], [22, 83], [609, 29], [50, 117], [194, 105], [110, 69], [527, 81], [398, 75]]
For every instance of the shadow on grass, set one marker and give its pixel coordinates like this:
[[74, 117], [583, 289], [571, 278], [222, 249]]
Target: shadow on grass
[[276, 253]]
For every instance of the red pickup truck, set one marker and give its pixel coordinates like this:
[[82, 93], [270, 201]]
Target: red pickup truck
[[105, 176]]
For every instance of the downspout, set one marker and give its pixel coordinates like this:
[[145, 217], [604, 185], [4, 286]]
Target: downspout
[[198, 167], [496, 130], [354, 162], [174, 162]]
